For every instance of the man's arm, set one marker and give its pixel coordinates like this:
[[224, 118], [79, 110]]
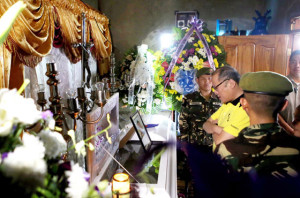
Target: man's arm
[[211, 126], [218, 134], [184, 126], [219, 138]]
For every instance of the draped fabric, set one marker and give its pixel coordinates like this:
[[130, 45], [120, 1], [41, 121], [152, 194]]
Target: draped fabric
[[32, 34], [44, 23], [5, 62], [68, 18]]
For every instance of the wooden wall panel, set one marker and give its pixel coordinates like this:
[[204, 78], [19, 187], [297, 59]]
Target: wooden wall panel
[[231, 56], [245, 58], [264, 58], [257, 53]]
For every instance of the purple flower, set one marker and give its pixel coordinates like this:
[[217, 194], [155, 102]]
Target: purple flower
[[4, 155], [97, 189], [86, 176], [47, 114], [191, 51], [213, 50]]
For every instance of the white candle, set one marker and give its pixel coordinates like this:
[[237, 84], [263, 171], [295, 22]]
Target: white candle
[[121, 185]]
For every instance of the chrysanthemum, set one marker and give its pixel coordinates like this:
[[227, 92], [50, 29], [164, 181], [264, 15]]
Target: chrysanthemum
[[54, 143], [78, 186], [14, 108], [26, 163]]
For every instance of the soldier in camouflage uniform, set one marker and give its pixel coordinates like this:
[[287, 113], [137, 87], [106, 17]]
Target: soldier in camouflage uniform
[[197, 107], [263, 148]]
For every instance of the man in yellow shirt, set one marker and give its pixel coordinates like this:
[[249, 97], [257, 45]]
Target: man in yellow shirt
[[230, 118]]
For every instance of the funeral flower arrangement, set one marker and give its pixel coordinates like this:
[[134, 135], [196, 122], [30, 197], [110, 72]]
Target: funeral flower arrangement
[[31, 163], [142, 94], [192, 58]]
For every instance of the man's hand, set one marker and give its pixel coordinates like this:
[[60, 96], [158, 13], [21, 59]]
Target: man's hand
[[217, 129], [211, 127]]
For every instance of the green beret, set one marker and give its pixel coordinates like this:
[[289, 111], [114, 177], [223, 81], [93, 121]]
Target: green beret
[[266, 82], [204, 71]]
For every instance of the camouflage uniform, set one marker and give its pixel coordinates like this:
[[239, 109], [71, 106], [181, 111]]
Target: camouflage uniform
[[195, 111], [263, 149]]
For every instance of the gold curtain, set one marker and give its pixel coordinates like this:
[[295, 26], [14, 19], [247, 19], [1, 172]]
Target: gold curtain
[[29, 40], [31, 37], [32, 34], [5, 62], [68, 16]]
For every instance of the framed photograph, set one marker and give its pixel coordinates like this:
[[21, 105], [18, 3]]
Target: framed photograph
[[183, 18], [141, 130]]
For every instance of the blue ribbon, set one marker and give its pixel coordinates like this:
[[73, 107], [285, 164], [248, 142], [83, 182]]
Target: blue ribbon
[[185, 80]]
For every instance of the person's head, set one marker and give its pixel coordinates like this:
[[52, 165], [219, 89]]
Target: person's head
[[203, 79], [296, 122], [225, 83], [294, 64], [265, 93]]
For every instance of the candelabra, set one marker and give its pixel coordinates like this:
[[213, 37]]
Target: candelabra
[[55, 99], [98, 97], [78, 106]]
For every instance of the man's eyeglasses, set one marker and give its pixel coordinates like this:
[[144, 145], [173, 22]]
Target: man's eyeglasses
[[216, 87]]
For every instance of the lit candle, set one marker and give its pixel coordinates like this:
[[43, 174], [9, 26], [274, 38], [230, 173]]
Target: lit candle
[[121, 185]]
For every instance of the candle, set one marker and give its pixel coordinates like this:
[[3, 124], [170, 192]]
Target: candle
[[121, 185]]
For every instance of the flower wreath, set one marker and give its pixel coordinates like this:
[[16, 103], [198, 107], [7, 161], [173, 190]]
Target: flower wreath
[[125, 73], [192, 58]]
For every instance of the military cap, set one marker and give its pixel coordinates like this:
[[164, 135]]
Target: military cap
[[266, 82], [204, 71]]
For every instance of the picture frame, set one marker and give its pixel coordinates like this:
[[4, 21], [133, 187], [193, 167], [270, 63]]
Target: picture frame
[[183, 18], [141, 131]]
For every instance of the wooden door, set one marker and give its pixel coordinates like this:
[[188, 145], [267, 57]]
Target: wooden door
[[256, 53]]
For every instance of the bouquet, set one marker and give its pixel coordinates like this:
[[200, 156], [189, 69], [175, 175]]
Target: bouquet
[[143, 95], [192, 58]]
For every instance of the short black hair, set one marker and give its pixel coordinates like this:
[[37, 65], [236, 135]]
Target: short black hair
[[265, 104], [228, 72], [294, 53]]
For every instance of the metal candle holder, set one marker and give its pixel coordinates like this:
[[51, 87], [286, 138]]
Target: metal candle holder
[[54, 98]]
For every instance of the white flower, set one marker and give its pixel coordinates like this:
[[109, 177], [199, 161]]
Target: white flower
[[202, 52], [132, 65], [48, 117], [172, 84], [78, 186], [26, 163], [71, 133], [104, 188], [157, 101], [14, 108], [186, 65], [54, 143], [51, 124], [143, 59], [191, 39], [80, 148], [5, 125], [34, 144], [194, 60]]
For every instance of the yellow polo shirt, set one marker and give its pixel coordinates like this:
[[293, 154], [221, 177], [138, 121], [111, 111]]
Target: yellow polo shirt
[[232, 117]]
